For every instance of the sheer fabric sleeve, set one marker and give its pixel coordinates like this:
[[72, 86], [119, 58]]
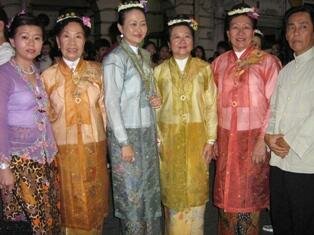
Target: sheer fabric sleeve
[[5, 87], [210, 106], [272, 70], [101, 103]]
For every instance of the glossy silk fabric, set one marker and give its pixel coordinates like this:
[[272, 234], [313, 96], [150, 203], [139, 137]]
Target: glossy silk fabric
[[245, 86], [78, 119], [136, 190], [187, 120]]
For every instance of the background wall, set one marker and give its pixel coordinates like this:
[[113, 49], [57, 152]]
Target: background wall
[[209, 13]]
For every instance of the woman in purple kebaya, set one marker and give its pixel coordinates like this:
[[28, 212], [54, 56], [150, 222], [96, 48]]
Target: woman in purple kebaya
[[27, 146]]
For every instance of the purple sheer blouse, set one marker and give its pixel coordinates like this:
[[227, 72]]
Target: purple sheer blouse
[[25, 130]]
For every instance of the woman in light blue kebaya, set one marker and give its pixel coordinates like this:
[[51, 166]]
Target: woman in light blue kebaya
[[129, 98]]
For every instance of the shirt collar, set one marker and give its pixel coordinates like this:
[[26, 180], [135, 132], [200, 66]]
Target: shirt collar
[[239, 53], [135, 49], [181, 63], [304, 57], [71, 64]]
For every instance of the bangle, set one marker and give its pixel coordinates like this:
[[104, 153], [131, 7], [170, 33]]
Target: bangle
[[4, 165]]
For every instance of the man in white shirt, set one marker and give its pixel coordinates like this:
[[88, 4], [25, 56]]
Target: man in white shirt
[[290, 134], [6, 51]]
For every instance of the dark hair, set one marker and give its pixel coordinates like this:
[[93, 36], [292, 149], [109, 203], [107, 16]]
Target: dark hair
[[180, 17], [293, 10], [113, 32], [101, 43], [47, 43], [122, 13], [163, 45], [4, 19], [223, 44], [3, 16], [200, 48], [239, 6], [89, 50], [22, 19], [43, 19], [59, 26]]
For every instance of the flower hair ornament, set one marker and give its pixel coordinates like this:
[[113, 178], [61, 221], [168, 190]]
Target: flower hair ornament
[[22, 12], [250, 11], [85, 19], [193, 23], [257, 31], [141, 4]]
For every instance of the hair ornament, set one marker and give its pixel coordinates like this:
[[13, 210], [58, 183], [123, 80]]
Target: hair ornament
[[22, 12], [86, 21], [193, 23], [71, 15], [250, 11], [257, 31], [144, 3], [129, 5]]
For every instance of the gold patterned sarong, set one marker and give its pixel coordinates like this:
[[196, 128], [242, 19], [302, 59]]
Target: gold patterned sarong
[[84, 187]]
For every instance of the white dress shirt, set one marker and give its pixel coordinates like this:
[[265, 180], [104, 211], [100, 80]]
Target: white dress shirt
[[292, 108]]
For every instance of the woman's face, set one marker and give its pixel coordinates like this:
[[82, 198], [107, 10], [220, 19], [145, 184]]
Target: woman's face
[[71, 41], [199, 53], [27, 42], [151, 49], [134, 27], [181, 41], [240, 32], [164, 53]]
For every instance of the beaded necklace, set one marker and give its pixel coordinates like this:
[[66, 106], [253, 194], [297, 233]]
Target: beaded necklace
[[37, 90], [20, 69]]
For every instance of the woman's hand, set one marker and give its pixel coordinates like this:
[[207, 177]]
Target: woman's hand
[[215, 151], [259, 152], [127, 153], [6, 179], [155, 101], [208, 153]]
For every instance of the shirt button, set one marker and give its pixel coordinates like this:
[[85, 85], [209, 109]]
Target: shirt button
[[184, 116], [234, 104]]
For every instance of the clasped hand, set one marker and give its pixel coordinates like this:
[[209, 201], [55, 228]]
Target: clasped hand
[[155, 101], [277, 144]]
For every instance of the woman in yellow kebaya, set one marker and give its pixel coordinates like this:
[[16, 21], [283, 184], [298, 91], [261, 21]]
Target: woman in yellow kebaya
[[187, 123]]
